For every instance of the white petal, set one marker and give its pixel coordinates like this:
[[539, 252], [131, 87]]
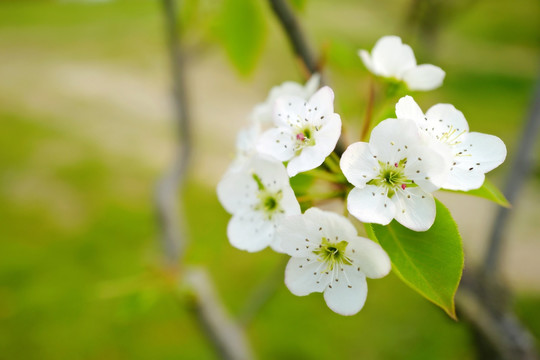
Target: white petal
[[321, 104], [329, 224], [312, 85], [289, 204], [444, 119], [246, 139], [236, 191], [277, 143], [424, 77], [476, 155], [391, 139], [297, 236], [276, 246], [407, 108], [366, 59], [271, 173], [426, 167], [358, 164], [371, 205], [369, 257], [302, 275], [415, 208], [290, 110], [250, 231], [391, 58], [347, 295], [311, 157]]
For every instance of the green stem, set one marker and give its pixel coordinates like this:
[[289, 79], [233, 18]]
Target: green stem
[[332, 177], [332, 162], [321, 196]]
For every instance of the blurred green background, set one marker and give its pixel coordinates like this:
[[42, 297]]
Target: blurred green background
[[87, 128]]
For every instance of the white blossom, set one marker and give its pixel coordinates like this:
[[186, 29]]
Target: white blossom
[[328, 256], [393, 176], [306, 131], [390, 58], [468, 155], [263, 112], [258, 196]]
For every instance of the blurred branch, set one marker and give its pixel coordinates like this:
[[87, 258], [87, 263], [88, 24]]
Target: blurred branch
[[426, 18], [168, 187], [484, 303], [225, 335], [519, 172], [482, 298], [294, 33]]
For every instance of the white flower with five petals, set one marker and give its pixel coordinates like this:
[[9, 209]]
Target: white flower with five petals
[[393, 176], [306, 131], [328, 256], [468, 155], [390, 58], [263, 112], [258, 196]]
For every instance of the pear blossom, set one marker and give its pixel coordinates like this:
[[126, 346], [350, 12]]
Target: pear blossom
[[394, 175], [306, 131], [263, 112], [468, 155], [258, 196], [328, 256], [390, 58]]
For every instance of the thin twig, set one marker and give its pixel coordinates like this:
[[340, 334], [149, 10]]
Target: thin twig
[[484, 303], [168, 187], [369, 111], [295, 35], [226, 336], [225, 333], [520, 169]]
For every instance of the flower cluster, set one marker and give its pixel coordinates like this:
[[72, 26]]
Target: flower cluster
[[390, 177]]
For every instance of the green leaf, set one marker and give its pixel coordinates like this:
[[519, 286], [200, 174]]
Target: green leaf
[[241, 30], [487, 191], [430, 262]]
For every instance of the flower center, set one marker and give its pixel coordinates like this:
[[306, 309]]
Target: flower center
[[268, 200], [304, 137], [332, 253], [392, 177]]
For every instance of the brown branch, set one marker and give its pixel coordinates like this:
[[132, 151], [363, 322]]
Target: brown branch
[[173, 239], [482, 298], [295, 35], [484, 303], [226, 336], [519, 172], [225, 333]]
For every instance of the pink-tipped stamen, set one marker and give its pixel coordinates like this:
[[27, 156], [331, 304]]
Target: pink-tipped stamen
[[403, 186], [300, 137], [396, 165]]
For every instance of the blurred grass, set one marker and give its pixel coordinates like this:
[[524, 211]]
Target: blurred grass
[[79, 273]]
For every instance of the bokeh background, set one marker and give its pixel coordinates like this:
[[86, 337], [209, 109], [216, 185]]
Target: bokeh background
[[87, 126]]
